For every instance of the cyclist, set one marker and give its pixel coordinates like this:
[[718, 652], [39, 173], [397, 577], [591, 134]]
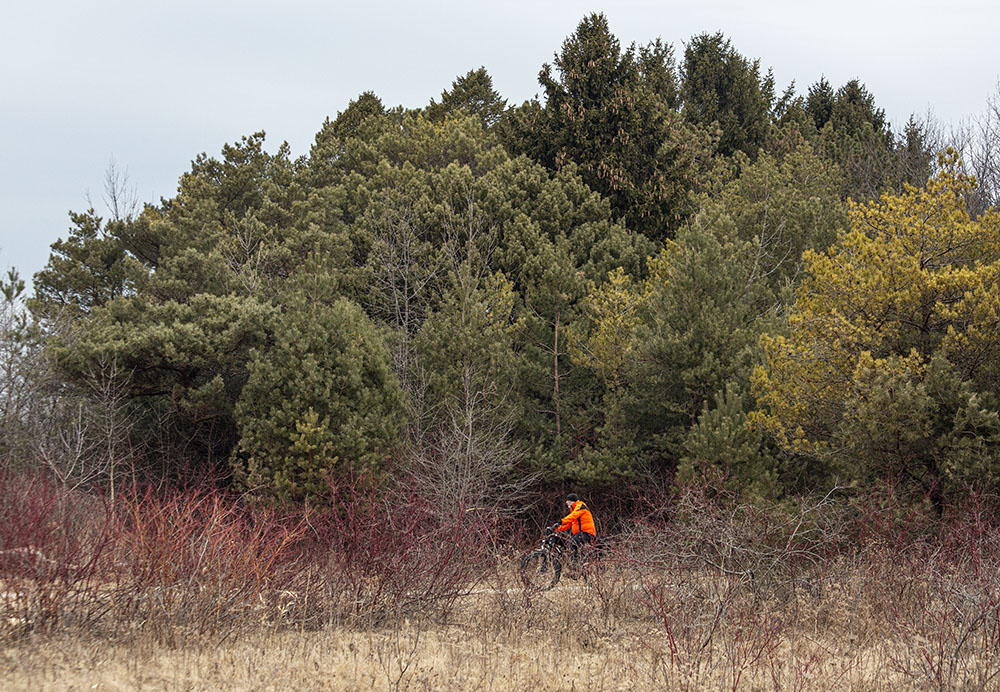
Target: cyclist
[[579, 522]]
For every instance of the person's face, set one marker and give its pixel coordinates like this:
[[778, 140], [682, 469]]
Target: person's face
[[569, 503]]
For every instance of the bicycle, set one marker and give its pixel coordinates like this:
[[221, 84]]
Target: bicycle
[[542, 568]]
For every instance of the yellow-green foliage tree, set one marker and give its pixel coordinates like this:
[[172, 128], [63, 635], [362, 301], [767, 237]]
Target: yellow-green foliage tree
[[603, 341], [891, 363]]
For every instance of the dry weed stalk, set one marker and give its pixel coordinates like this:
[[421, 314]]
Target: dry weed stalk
[[702, 594]]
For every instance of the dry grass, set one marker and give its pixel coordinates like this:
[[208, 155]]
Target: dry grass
[[197, 593], [599, 636]]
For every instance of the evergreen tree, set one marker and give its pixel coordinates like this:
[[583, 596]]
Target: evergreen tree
[[669, 346], [723, 448], [782, 206], [699, 332], [722, 88], [320, 400], [426, 199], [191, 286], [349, 121], [891, 364], [84, 271], [854, 133], [819, 103], [472, 93], [611, 112]]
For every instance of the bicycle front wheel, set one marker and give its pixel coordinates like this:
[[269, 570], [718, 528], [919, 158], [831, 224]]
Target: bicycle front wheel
[[540, 570]]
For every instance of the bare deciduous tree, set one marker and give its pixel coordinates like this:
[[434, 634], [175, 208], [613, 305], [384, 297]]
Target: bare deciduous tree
[[82, 435], [977, 141], [20, 359], [406, 270], [469, 459], [119, 195], [462, 451]]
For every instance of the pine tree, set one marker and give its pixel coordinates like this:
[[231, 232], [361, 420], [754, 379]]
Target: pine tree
[[321, 400], [892, 358]]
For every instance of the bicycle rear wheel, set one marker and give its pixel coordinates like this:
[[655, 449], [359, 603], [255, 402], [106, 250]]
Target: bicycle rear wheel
[[540, 570]]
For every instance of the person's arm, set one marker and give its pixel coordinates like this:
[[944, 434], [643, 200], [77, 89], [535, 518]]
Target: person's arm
[[567, 521]]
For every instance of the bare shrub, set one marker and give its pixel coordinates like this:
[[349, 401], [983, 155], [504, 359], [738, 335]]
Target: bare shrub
[[201, 561], [53, 545], [705, 592], [382, 559], [943, 615], [767, 550]]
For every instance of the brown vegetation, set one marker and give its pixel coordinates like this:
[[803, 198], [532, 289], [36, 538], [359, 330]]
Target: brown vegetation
[[198, 591]]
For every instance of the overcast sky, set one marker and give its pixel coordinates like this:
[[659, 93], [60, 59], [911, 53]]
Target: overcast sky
[[151, 85]]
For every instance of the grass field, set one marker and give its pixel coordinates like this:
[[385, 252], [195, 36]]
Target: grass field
[[614, 633], [189, 594]]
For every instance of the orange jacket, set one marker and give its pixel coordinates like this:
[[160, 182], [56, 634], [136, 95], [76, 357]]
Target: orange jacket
[[579, 519]]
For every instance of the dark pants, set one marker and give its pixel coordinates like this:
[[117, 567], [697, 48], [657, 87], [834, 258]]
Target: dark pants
[[577, 540]]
